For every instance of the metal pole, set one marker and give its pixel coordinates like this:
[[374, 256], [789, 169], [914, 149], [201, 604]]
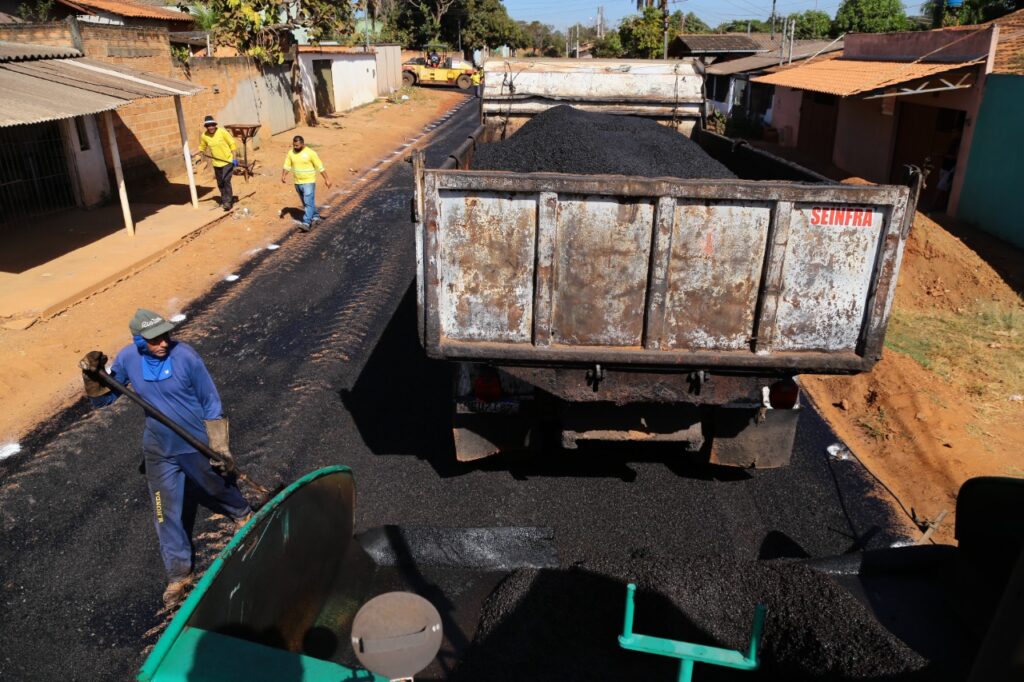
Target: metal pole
[[627, 623], [185, 151], [664, 27], [115, 160]]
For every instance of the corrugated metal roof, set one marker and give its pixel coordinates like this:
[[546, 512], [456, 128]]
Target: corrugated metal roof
[[54, 89], [333, 49], [135, 10], [845, 77], [13, 52], [719, 42], [802, 50]]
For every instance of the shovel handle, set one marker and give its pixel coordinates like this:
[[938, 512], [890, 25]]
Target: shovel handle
[[115, 385], [201, 447]]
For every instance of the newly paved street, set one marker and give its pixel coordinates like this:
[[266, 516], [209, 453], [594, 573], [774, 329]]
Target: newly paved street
[[316, 358]]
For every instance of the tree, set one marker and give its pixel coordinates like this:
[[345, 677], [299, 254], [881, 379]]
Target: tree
[[741, 26], [641, 34], [432, 12], [869, 16], [262, 29], [608, 46], [688, 23], [36, 11], [205, 15], [811, 24], [972, 11], [486, 23]]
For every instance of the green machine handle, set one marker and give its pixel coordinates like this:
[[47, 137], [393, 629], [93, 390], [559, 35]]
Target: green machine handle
[[688, 653]]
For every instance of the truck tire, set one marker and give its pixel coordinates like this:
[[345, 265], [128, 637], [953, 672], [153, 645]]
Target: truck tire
[[408, 79], [464, 82]]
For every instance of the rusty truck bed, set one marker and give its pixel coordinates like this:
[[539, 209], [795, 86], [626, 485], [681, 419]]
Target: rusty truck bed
[[747, 275]]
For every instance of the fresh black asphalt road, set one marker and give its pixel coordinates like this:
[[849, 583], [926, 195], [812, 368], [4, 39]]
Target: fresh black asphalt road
[[316, 358]]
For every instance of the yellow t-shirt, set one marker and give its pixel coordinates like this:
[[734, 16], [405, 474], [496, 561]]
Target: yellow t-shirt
[[221, 145], [304, 165]]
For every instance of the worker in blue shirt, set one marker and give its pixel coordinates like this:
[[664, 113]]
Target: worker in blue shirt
[[170, 375]]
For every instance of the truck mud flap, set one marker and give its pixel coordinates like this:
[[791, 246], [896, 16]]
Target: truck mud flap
[[482, 435], [753, 436]]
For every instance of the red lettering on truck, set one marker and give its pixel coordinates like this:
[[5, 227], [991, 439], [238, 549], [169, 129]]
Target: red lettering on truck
[[854, 217]]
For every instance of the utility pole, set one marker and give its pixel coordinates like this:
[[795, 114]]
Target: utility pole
[[773, 21], [792, 38], [664, 26]]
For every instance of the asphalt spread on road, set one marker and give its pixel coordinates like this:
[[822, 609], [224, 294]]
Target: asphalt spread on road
[[315, 355]]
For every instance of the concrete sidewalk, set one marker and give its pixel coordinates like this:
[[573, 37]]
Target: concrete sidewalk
[[84, 252]]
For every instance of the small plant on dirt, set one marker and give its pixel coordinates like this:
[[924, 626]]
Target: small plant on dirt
[[975, 390], [875, 425]]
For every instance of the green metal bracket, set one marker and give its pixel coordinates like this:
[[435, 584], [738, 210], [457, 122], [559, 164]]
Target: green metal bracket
[[689, 654]]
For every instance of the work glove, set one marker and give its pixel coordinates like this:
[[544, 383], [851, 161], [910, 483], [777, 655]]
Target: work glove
[[217, 433], [91, 364]]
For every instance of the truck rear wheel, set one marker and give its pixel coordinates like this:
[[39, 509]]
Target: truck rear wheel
[[408, 79], [464, 82]]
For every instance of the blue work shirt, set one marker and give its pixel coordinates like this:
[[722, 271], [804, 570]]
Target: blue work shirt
[[187, 397]]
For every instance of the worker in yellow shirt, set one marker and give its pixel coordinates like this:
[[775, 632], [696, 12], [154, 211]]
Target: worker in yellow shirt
[[304, 164], [219, 145]]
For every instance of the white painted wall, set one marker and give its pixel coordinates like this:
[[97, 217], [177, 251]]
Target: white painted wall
[[355, 80], [354, 76]]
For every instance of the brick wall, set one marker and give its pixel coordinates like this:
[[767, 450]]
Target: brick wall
[[56, 33], [147, 130]]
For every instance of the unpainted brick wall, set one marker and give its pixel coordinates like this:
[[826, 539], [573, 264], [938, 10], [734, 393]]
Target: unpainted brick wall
[[57, 33], [147, 130]]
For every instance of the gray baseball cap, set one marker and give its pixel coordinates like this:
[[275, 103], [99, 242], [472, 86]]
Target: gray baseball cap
[[148, 324]]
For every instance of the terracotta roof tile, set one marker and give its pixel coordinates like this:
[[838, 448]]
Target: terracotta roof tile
[[1010, 49], [845, 77], [135, 10]]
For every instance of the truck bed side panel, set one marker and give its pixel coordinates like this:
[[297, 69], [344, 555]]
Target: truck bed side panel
[[545, 267]]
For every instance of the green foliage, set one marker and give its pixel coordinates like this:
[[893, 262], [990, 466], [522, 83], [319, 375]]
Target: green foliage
[[430, 14], [811, 24], [972, 12], [181, 54], [486, 23], [542, 39], [641, 34], [869, 16], [609, 46], [36, 11], [205, 15], [740, 26], [262, 29], [688, 23]]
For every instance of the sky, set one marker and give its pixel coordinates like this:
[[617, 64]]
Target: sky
[[563, 13]]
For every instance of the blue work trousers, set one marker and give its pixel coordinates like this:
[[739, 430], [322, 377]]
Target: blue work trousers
[[307, 192], [177, 485]]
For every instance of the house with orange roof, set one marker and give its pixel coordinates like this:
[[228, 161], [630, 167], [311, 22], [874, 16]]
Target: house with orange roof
[[124, 13], [914, 98]]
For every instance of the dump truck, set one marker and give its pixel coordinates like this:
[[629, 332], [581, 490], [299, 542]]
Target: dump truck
[[609, 308]]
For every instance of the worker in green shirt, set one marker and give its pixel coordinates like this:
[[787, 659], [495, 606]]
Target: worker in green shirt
[[304, 164], [219, 145]]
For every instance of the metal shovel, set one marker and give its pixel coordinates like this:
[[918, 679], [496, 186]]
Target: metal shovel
[[115, 385]]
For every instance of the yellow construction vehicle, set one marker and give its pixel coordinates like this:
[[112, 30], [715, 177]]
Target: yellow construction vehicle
[[437, 67]]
